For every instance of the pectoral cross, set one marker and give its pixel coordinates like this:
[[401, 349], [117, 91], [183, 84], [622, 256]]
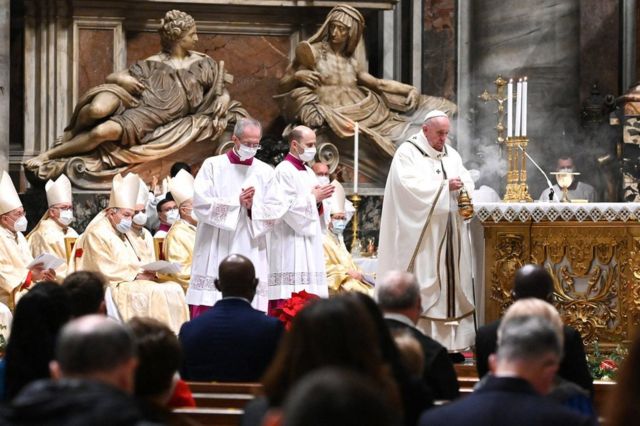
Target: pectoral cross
[[438, 171]]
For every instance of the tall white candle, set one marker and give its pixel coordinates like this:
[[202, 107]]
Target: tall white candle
[[356, 138], [524, 107], [518, 106], [510, 108]]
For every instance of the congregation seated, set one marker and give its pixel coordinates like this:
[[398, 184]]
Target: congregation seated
[[181, 239], [534, 281], [232, 341], [523, 370], [86, 293], [336, 397], [398, 295], [39, 315], [93, 375], [335, 332], [104, 247]]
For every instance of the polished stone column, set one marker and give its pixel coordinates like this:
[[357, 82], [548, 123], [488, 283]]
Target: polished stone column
[[5, 23]]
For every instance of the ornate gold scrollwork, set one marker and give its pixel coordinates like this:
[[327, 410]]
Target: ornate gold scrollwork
[[510, 250]]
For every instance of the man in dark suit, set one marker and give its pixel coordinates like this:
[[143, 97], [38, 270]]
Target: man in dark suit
[[534, 281], [398, 295], [523, 370], [232, 341]]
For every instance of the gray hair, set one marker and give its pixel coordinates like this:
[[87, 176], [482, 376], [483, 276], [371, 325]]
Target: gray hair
[[243, 123], [527, 338], [397, 290], [93, 343]]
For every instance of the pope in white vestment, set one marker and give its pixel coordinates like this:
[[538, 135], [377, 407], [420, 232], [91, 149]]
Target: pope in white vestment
[[48, 236], [228, 190], [296, 260], [421, 194]]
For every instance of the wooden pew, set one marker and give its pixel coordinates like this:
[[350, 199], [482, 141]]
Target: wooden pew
[[220, 387], [211, 416], [222, 400]]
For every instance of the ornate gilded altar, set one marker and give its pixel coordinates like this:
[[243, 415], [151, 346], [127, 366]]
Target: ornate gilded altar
[[592, 251]]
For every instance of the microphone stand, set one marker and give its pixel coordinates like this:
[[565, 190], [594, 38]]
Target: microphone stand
[[551, 191]]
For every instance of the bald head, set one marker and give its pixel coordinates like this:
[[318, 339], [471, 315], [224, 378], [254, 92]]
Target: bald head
[[399, 292], [237, 277], [532, 281], [320, 169]]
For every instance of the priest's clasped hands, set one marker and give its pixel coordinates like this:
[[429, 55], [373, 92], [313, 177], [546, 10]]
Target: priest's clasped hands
[[246, 197], [322, 192], [39, 273], [455, 184]]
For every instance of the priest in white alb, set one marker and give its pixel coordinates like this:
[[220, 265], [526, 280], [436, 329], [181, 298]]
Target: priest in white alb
[[104, 247], [228, 190], [49, 235], [300, 202], [181, 239], [422, 232], [15, 255]]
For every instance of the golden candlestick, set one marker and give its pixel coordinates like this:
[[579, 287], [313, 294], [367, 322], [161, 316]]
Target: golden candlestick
[[355, 242]]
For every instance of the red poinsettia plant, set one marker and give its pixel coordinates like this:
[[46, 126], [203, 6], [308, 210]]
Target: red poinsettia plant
[[287, 311]]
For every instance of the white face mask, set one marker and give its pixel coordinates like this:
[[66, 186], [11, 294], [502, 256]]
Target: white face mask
[[323, 180], [124, 225], [66, 217], [308, 154], [20, 225], [140, 218], [193, 215], [172, 216], [245, 153]]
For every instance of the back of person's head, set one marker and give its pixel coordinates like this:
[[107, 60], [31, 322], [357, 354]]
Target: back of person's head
[[528, 347], [237, 277], [159, 356], [38, 317], [337, 397], [96, 347], [624, 403], [176, 167], [411, 353], [398, 290], [539, 308], [86, 291], [334, 332], [532, 281]]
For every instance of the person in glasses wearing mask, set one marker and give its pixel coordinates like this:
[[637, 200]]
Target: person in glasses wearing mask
[[300, 204], [48, 236], [342, 272], [227, 199], [167, 214], [181, 239], [15, 255], [105, 247]]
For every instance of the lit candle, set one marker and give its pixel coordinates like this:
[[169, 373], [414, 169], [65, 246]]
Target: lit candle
[[518, 106], [356, 138], [524, 107], [510, 108]]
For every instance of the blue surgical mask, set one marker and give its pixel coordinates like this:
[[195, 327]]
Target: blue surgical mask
[[338, 226], [124, 225]]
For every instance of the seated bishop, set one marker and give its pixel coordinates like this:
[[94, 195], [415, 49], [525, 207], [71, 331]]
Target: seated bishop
[[104, 247], [181, 238], [15, 256], [343, 274], [50, 233], [140, 238]]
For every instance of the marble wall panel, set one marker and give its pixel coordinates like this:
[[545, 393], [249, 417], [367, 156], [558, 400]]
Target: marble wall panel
[[439, 48], [95, 57]]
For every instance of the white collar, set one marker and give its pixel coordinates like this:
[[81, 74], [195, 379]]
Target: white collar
[[422, 141]]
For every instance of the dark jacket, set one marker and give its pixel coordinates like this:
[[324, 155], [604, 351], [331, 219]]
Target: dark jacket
[[231, 342], [503, 401], [573, 366], [71, 402], [439, 373]]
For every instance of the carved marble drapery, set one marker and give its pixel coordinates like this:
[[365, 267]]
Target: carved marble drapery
[[595, 264]]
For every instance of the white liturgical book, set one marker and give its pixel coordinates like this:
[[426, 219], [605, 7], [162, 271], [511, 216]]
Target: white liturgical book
[[162, 266], [48, 261]]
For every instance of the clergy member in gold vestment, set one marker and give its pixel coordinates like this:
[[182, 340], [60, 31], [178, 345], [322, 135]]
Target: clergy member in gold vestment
[[140, 238], [104, 247], [181, 238], [15, 255], [342, 273], [49, 234]]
